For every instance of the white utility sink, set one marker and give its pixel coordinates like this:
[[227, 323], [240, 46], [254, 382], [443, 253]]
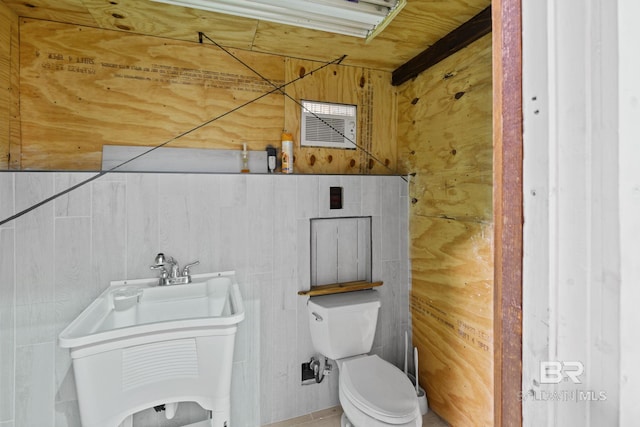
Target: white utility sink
[[139, 345]]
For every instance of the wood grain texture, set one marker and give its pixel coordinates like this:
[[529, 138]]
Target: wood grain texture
[[61, 11], [420, 24], [508, 130], [339, 288], [374, 97], [461, 37], [8, 30], [133, 16], [82, 88], [445, 136], [445, 139], [10, 139], [5, 83], [15, 132], [452, 315]]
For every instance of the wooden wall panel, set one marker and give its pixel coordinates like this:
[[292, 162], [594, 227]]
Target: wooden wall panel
[[451, 308], [445, 139], [83, 87], [375, 98], [15, 130], [5, 83], [383, 125], [160, 19], [8, 83], [419, 24], [449, 146], [61, 11], [508, 196]]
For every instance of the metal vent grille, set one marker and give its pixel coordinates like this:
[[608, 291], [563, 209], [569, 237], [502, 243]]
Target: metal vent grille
[[327, 129], [326, 124]]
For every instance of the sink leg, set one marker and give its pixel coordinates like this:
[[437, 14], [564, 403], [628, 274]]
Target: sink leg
[[219, 418]]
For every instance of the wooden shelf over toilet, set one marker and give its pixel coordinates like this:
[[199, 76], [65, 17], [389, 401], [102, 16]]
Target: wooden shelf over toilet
[[337, 288]]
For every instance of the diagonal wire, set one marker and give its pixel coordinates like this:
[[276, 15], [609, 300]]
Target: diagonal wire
[[277, 88], [202, 35]]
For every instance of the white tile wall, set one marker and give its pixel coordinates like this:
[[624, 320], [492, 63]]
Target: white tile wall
[[57, 258]]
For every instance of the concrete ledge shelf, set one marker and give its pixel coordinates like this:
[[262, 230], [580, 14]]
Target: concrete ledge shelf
[[338, 288]]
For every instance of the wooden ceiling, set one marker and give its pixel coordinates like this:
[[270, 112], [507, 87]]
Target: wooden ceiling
[[418, 26]]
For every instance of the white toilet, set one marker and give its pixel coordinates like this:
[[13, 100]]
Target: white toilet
[[372, 391]]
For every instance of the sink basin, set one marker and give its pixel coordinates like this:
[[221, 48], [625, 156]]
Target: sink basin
[[212, 299], [139, 345]]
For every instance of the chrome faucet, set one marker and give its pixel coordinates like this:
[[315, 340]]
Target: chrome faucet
[[170, 271]]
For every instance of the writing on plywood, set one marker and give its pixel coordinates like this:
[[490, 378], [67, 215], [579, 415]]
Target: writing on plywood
[[83, 88], [154, 72], [473, 335]]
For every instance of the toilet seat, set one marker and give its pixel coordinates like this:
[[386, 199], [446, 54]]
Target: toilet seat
[[378, 389]]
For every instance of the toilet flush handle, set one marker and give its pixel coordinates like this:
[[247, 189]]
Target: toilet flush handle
[[317, 316]]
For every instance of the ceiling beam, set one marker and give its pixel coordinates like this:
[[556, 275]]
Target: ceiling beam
[[457, 39]]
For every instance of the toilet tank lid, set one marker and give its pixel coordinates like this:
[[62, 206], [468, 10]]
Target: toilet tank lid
[[346, 299]]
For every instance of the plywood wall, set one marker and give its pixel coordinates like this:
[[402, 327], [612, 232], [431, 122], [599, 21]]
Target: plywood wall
[[82, 88], [5, 85], [9, 125], [375, 99], [445, 138]]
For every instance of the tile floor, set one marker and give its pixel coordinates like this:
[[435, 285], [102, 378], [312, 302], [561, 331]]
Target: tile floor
[[331, 418]]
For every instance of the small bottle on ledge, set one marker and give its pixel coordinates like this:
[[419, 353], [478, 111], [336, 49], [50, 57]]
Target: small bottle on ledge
[[245, 159]]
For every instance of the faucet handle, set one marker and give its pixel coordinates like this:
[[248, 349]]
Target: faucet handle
[[160, 259], [164, 275], [185, 270]]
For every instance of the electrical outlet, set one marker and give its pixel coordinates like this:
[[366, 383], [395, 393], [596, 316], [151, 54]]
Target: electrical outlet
[[308, 376], [335, 197]]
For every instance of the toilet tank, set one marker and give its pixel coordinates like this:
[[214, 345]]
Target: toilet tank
[[343, 325]]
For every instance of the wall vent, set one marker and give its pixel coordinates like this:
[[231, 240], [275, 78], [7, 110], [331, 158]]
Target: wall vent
[[325, 124]]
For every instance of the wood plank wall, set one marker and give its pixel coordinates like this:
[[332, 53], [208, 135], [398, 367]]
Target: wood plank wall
[[445, 138], [82, 88]]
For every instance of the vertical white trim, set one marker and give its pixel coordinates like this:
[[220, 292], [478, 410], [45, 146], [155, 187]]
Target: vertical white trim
[[538, 199], [629, 193], [552, 187], [570, 303]]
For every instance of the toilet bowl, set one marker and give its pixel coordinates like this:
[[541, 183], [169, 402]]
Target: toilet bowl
[[372, 391], [375, 393]]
